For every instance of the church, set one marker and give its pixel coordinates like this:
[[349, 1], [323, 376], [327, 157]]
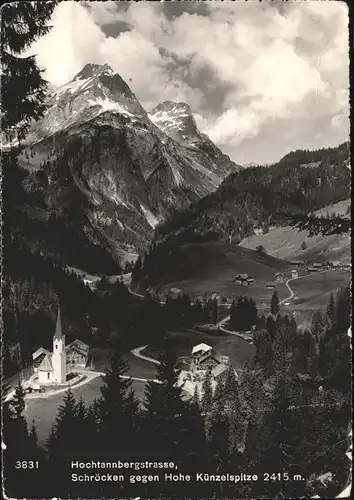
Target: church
[[53, 367]]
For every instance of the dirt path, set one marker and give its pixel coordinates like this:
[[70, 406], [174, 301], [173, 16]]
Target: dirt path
[[291, 296], [137, 353]]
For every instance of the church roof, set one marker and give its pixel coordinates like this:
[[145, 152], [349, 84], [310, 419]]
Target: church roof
[[38, 352], [46, 365], [58, 330]]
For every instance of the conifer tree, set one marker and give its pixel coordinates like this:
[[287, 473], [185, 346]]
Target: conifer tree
[[219, 396], [271, 326], [331, 309], [231, 391], [217, 433], [116, 420], [33, 432], [282, 351], [166, 422], [65, 432], [50, 442], [264, 351], [274, 304], [318, 324], [19, 446], [18, 401], [280, 449], [23, 89], [165, 397], [207, 393], [195, 402], [233, 408]]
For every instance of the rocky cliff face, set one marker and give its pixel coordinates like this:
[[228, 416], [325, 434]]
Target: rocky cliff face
[[96, 141], [177, 121]]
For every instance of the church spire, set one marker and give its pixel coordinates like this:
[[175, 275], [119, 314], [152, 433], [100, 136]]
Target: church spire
[[58, 331]]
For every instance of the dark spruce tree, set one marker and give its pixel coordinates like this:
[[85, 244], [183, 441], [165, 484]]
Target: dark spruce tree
[[207, 393], [274, 304], [331, 309], [279, 450], [20, 478], [172, 427], [264, 352], [22, 87], [116, 406]]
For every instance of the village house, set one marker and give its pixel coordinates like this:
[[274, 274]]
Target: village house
[[278, 277], [53, 367], [312, 270], [77, 354], [294, 273], [243, 279], [317, 265], [205, 359]]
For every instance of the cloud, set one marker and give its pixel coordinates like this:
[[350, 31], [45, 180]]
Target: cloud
[[241, 66]]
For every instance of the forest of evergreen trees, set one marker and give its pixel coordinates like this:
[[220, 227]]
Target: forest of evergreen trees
[[243, 314], [259, 196], [287, 413]]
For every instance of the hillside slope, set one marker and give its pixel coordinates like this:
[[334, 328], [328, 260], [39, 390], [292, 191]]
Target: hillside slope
[[257, 198], [291, 244], [205, 267], [248, 202]]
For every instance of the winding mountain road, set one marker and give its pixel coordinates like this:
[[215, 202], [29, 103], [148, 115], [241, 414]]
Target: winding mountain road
[[137, 353], [291, 296]]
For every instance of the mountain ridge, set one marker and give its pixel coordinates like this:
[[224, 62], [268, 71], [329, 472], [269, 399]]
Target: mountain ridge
[[130, 172], [248, 202]]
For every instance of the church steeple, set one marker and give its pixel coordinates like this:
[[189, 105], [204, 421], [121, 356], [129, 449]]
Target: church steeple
[[58, 330], [59, 353]]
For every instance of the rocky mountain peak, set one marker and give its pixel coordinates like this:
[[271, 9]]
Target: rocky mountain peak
[[93, 70], [176, 120]]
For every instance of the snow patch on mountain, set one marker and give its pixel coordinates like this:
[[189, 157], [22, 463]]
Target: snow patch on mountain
[[153, 221], [109, 105], [72, 87]]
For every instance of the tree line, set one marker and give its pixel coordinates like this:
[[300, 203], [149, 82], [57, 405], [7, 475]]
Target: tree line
[[259, 196]]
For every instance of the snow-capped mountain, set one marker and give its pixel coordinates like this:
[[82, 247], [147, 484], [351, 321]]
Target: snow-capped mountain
[[177, 121], [133, 174], [94, 90]]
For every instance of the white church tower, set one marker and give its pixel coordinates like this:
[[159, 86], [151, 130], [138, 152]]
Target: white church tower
[[59, 353]]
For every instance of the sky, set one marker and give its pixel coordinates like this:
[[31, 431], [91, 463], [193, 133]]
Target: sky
[[262, 79]]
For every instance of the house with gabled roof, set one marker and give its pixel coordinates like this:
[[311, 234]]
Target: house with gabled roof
[[205, 359]]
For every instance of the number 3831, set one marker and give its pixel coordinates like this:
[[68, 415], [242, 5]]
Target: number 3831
[[26, 464]]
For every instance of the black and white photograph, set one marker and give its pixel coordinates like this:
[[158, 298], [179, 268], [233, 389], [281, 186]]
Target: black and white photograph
[[175, 250]]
